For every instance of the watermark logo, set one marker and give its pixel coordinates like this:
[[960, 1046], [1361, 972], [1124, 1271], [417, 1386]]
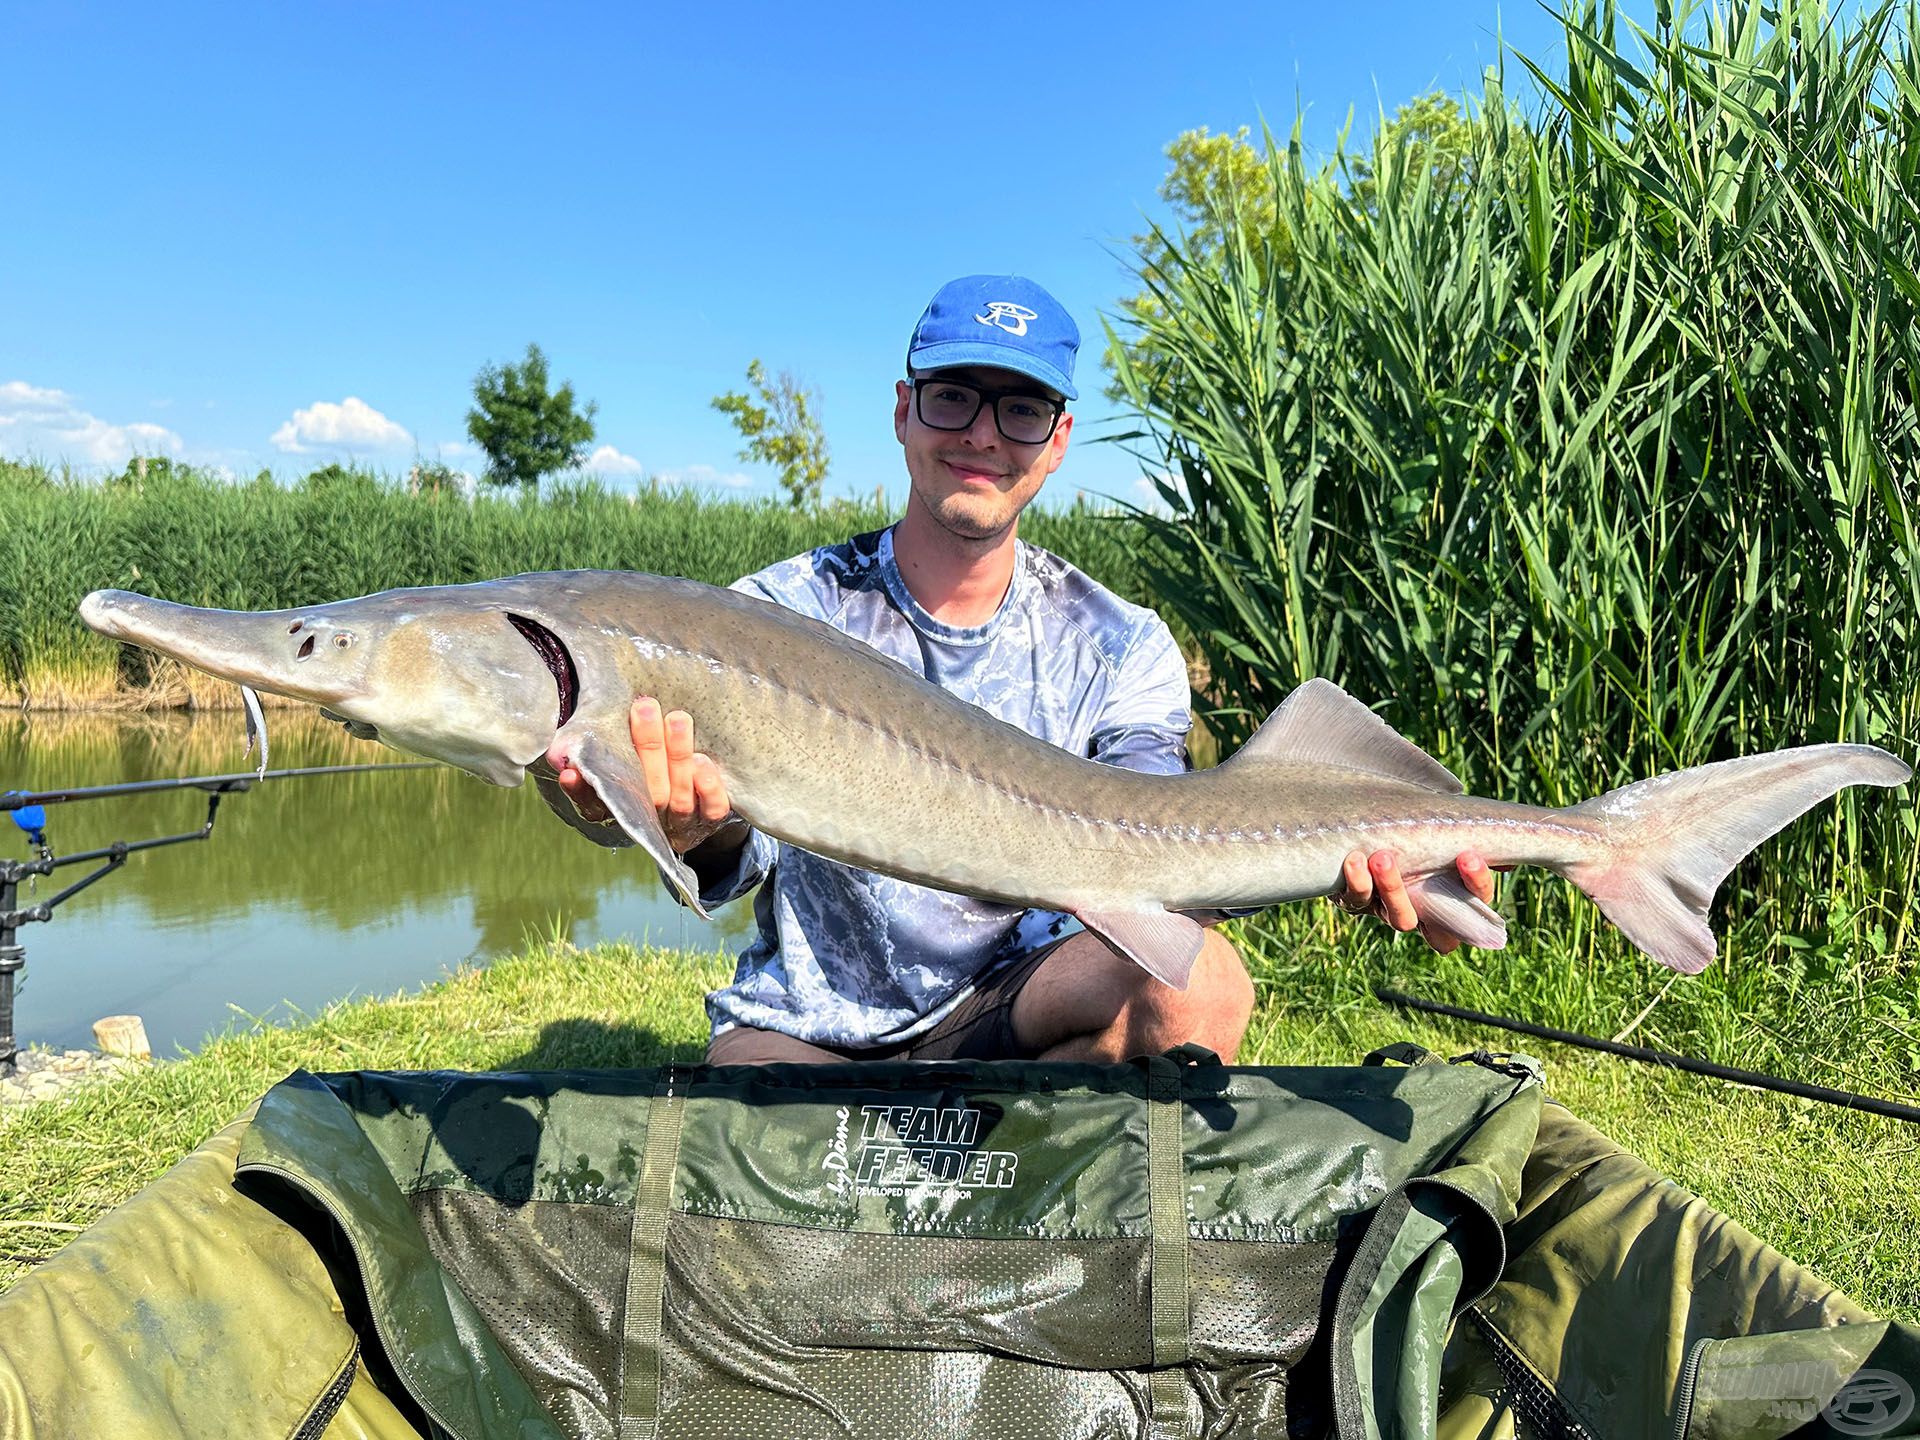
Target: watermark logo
[[1873, 1402], [1008, 316]]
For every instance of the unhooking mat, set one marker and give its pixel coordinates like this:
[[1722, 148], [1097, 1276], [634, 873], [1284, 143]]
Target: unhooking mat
[[1007, 1251]]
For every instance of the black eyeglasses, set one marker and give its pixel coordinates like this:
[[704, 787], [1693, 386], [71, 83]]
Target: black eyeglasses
[[1019, 416]]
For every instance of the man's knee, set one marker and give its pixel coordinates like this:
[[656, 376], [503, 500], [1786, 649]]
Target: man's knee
[[1213, 1010], [1090, 999], [1219, 984]]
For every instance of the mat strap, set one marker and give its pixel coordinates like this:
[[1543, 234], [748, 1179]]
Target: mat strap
[[1168, 1257], [647, 1261]]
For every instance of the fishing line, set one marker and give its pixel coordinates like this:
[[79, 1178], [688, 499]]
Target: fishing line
[[1846, 1099]]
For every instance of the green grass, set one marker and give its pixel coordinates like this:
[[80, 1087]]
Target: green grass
[[1828, 1188], [73, 1158]]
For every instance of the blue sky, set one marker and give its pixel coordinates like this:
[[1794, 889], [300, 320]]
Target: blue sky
[[278, 234]]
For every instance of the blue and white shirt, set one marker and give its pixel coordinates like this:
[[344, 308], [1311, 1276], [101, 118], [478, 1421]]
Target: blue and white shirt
[[848, 958]]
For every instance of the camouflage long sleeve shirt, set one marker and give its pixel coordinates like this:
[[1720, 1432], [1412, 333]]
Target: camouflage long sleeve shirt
[[848, 958]]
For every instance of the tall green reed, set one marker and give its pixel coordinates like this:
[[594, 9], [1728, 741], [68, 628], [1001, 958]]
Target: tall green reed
[[1590, 457]]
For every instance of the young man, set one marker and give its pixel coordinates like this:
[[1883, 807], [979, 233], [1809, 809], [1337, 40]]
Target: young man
[[851, 964]]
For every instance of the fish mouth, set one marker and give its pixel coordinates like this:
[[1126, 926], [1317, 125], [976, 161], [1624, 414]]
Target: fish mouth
[[550, 648], [359, 729]]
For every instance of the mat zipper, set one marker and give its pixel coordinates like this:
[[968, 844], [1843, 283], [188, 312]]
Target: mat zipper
[[1683, 1395], [395, 1356], [1534, 1401], [331, 1399]]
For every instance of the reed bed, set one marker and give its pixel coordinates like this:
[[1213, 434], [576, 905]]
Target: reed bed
[[186, 535], [1586, 455]]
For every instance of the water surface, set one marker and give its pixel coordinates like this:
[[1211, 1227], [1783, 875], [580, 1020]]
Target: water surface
[[308, 890]]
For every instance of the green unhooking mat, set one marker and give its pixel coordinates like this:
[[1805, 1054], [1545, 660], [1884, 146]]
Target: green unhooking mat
[[1010, 1251]]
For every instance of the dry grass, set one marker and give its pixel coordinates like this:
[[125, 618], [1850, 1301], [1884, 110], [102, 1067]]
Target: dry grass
[[164, 685]]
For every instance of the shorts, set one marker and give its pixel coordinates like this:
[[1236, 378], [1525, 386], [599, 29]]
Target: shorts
[[980, 1027]]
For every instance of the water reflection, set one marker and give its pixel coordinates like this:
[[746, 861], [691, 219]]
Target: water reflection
[[309, 889]]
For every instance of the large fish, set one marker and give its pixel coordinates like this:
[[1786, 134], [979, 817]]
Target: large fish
[[833, 747]]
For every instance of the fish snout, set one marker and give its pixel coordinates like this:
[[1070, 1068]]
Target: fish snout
[[106, 611], [304, 655]]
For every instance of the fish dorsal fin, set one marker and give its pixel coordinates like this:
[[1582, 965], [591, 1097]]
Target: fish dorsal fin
[[1320, 724]]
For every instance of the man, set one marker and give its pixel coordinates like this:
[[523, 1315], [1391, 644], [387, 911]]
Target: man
[[852, 964]]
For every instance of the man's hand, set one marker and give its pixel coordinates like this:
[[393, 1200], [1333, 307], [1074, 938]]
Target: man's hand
[[1374, 887], [685, 785]]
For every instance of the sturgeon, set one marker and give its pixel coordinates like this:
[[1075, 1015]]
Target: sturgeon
[[831, 746]]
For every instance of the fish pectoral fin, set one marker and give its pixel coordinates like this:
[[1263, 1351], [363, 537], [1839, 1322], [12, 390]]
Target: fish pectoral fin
[[1320, 724], [1161, 942], [617, 780], [1443, 899]]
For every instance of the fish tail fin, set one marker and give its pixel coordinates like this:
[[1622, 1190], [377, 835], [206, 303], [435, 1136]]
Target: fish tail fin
[[1676, 837]]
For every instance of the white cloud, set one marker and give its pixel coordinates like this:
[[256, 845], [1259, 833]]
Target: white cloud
[[608, 461], [18, 397], [703, 477], [1147, 495], [351, 425], [49, 425]]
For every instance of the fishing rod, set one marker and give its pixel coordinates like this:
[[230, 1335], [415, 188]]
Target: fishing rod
[[1846, 1099], [29, 814], [18, 800]]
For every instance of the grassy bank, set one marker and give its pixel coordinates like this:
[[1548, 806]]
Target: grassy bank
[[187, 535], [1824, 1186]]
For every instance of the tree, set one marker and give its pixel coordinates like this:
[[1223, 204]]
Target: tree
[[1431, 133], [1222, 188], [1217, 182], [525, 429], [781, 429], [1218, 186]]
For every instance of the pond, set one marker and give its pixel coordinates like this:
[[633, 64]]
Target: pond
[[309, 890]]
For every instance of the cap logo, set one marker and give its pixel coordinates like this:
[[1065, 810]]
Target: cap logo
[[1008, 316]]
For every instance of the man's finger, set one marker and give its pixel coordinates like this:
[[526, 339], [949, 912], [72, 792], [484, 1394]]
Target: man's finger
[[650, 742], [1477, 875], [1359, 896], [710, 791], [679, 762], [1391, 890], [575, 787]]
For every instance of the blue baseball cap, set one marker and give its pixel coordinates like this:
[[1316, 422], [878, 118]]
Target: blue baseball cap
[[1005, 321]]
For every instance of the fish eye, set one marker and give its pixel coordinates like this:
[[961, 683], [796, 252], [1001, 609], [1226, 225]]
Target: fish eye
[[343, 639]]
